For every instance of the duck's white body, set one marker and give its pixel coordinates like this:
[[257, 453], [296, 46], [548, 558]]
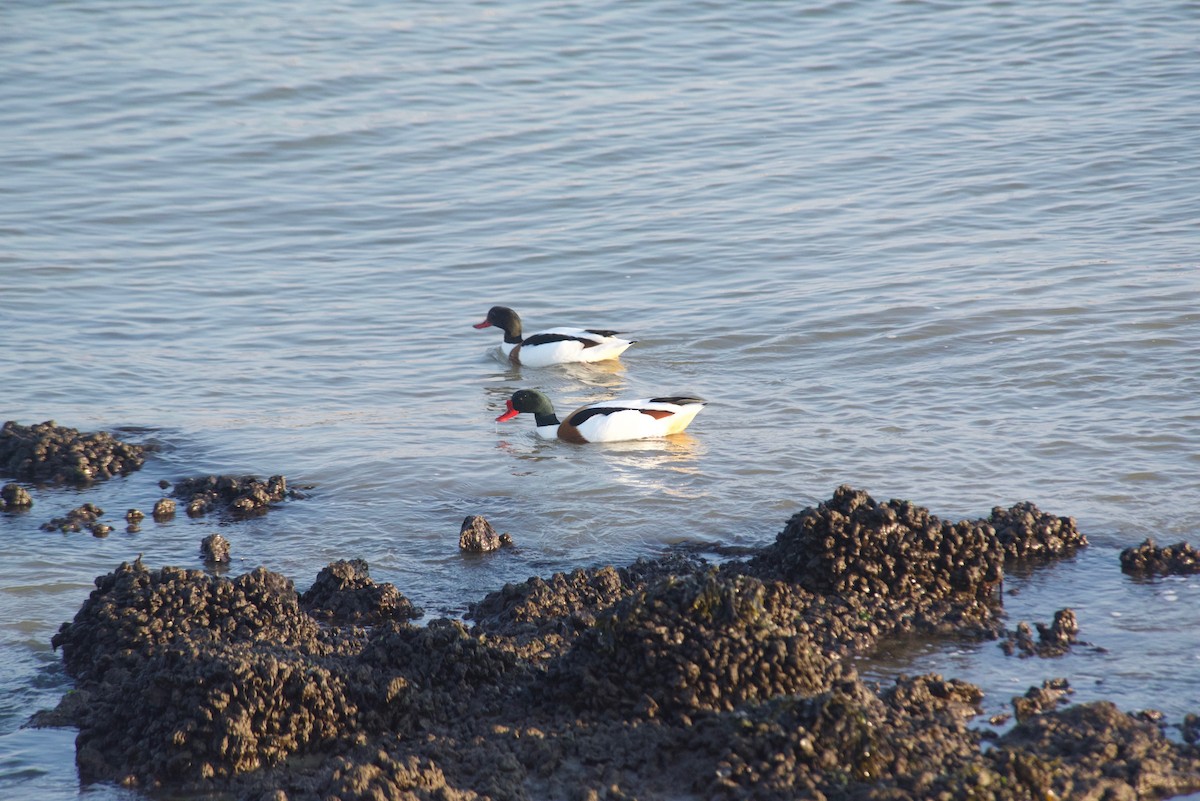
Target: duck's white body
[[563, 346], [607, 421], [555, 345]]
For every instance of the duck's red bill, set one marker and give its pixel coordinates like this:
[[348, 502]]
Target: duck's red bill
[[484, 324], [510, 414]]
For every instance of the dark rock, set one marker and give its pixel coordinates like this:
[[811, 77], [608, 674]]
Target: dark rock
[[214, 548], [14, 497], [47, 452], [702, 642], [1053, 640], [164, 509], [1086, 751], [477, 535], [100, 529], [344, 593], [135, 516], [1025, 532], [238, 497], [664, 679], [1148, 559], [1037, 700], [75, 520]]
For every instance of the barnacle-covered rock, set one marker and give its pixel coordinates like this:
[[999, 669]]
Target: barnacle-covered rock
[[47, 452]]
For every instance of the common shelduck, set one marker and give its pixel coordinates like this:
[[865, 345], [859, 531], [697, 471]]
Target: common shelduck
[[607, 421], [555, 345]]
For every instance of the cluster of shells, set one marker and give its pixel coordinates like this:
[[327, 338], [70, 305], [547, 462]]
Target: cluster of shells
[[658, 679], [49, 453]]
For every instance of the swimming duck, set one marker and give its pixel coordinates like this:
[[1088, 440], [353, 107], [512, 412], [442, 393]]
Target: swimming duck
[[607, 421], [553, 346]]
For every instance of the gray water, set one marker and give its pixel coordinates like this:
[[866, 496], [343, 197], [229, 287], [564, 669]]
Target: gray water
[[943, 252]]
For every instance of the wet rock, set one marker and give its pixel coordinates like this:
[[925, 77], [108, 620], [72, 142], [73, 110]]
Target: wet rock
[[549, 613], [477, 535], [237, 496], [1037, 700], [164, 509], [75, 520], [853, 545], [1190, 728], [1053, 640], [1086, 751], [100, 529], [702, 642], [135, 516], [14, 497], [1025, 532], [345, 593], [47, 452], [1148, 559], [664, 679], [214, 548]]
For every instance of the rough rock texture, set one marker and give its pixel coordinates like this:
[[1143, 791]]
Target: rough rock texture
[[478, 536], [1148, 559], [75, 520], [237, 496], [214, 548], [699, 642], [1053, 640], [667, 679], [1037, 700], [47, 452], [1025, 532], [14, 498], [345, 593], [164, 509]]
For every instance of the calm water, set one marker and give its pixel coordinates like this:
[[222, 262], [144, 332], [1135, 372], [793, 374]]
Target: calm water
[[943, 252]]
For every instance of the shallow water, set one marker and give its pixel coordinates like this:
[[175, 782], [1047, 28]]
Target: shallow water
[[940, 253]]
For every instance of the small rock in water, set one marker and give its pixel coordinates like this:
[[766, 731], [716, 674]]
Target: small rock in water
[[1147, 559], [215, 548], [76, 519], [164, 509], [14, 497], [1037, 700], [477, 535], [135, 516]]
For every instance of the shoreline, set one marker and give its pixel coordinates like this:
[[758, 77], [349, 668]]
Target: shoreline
[[663, 679]]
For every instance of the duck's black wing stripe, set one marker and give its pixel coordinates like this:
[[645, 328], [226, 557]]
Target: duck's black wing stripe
[[544, 339], [579, 417], [678, 400], [600, 333]]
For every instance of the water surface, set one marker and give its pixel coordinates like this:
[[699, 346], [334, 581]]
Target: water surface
[[940, 253]]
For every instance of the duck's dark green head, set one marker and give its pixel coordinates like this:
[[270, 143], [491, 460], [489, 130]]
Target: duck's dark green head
[[528, 401], [506, 320]]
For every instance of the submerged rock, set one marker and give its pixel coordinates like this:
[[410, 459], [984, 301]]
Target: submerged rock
[[238, 496], [14, 497], [76, 520], [47, 452], [1053, 640], [1148, 559]]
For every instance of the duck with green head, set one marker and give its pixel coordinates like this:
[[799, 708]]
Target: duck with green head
[[607, 421], [555, 345]]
